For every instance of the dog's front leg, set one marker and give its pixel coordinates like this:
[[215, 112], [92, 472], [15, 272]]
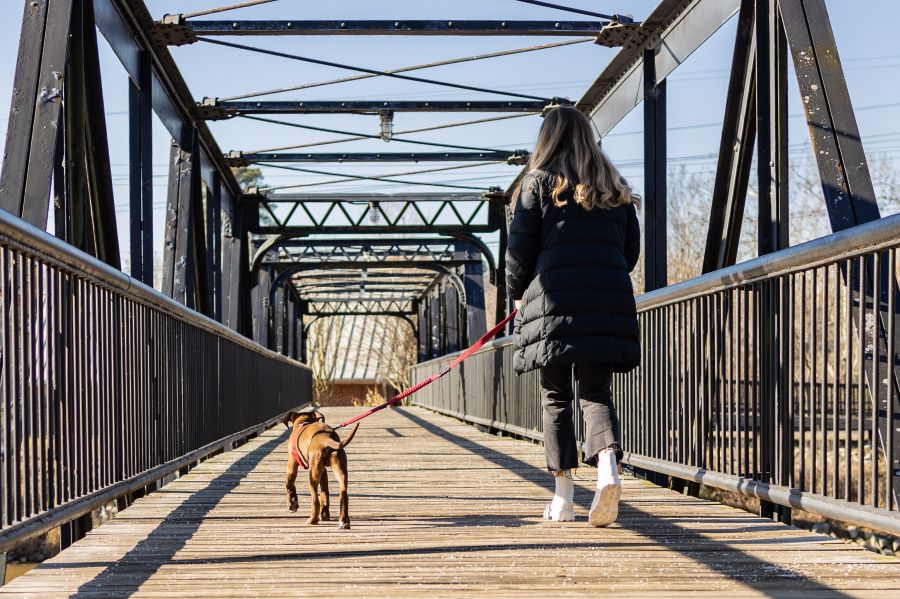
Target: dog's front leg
[[290, 479], [324, 513], [314, 492]]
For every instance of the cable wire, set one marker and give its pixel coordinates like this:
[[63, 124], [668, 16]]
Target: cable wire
[[348, 177], [357, 136], [417, 67], [212, 11], [360, 137], [617, 18], [339, 65]]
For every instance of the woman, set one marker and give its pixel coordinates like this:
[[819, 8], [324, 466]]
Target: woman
[[572, 242]]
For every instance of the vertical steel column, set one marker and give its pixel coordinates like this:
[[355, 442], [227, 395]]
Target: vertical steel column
[[35, 110], [473, 322], [772, 164], [260, 305], [655, 220], [214, 245], [504, 302], [140, 139], [184, 264], [771, 114], [735, 148], [235, 266], [849, 197], [178, 257]]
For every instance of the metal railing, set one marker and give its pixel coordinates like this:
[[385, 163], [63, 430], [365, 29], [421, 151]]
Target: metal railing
[[775, 378], [108, 386]]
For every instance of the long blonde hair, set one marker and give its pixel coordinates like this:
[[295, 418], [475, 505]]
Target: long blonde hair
[[566, 147]]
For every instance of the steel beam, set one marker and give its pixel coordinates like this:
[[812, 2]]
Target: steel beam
[[23, 106], [735, 148], [837, 146], [212, 109], [473, 277], [274, 198], [772, 132], [516, 157], [140, 141], [678, 27], [850, 201], [176, 30], [655, 219], [235, 264], [126, 25]]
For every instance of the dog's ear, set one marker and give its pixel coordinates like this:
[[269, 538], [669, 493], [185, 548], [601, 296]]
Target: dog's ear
[[317, 415], [289, 418]]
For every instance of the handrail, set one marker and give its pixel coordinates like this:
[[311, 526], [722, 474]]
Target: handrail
[[16, 232], [767, 379]]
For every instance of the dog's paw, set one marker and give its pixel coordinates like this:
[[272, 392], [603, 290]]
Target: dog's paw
[[293, 505], [312, 520], [324, 516], [344, 525]]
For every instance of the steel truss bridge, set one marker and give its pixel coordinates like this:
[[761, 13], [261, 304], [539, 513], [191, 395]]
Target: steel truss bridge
[[775, 380]]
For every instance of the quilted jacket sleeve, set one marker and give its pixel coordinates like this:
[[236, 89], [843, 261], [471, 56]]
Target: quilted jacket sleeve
[[524, 239], [632, 238]]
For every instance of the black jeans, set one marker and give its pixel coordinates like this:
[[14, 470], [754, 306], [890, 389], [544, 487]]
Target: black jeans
[[601, 423]]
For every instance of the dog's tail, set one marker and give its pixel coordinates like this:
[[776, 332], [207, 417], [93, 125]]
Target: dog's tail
[[336, 446], [349, 438]]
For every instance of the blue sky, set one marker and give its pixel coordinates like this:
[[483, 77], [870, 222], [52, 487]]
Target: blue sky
[[864, 31]]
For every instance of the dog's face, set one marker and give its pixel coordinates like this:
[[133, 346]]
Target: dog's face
[[296, 418]]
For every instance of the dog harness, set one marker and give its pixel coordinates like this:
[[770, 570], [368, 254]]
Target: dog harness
[[295, 451]]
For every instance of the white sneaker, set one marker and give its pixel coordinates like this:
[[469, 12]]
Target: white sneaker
[[562, 508], [605, 507]]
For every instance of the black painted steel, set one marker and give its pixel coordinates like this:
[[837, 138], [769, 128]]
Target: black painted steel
[[210, 109], [514, 157], [179, 32], [783, 410], [141, 387], [735, 148], [655, 200]]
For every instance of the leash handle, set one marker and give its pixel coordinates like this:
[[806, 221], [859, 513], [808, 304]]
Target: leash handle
[[407, 392]]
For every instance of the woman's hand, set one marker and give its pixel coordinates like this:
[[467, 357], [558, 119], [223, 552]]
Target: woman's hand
[[518, 304]]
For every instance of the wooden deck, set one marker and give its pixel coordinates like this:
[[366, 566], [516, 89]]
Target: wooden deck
[[440, 509]]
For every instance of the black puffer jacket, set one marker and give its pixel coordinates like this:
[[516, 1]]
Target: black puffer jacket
[[570, 267]]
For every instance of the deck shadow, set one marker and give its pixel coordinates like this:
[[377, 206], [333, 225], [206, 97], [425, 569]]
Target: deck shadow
[[755, 573], [160, 546]]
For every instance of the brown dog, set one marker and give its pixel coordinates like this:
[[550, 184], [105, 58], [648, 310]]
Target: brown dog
[[315, 445]]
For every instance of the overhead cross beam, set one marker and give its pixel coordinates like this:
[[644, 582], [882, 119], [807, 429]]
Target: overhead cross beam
[[516, 157], [448, 215], [177, 31], [212, 109]]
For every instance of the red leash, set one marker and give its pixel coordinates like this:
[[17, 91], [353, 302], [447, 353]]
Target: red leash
[[475, 347]]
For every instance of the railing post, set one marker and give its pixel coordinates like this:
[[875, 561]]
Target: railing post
[[772, 150]]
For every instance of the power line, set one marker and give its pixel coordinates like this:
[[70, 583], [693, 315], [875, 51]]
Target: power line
[[338, 65], [618, 18]]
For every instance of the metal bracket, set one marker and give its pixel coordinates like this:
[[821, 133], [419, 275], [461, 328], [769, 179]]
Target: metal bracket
[[519, 158], [172, 31], [236, 158], [556, 103], [616, 35], [209, 110]]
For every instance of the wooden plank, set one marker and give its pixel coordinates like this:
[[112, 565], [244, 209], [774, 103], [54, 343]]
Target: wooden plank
[[438, 508]]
